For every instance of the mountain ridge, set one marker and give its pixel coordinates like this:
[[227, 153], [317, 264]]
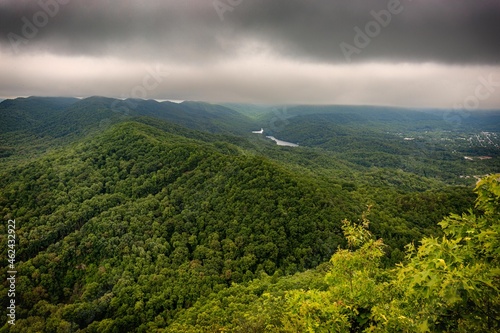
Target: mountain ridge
[[136, 221]]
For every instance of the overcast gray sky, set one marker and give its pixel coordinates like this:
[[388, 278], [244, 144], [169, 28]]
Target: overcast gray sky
[[416, 53]]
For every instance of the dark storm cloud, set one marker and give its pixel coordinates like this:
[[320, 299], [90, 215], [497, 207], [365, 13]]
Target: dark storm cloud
[[119, 28], [432, 30], [434, 53], [460, 31]]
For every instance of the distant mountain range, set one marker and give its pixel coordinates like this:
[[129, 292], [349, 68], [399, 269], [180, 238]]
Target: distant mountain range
[[367, 132], [56, 117], [59, 116]]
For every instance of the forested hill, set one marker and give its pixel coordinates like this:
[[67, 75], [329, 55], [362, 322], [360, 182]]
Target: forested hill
[[448, 284], [59, 116], [140, 219], [130, 223], [32, 125]]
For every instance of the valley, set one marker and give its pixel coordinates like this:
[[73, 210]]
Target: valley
[[177, 218]]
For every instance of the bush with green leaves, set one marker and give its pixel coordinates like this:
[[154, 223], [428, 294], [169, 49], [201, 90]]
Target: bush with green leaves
[[447, 284]]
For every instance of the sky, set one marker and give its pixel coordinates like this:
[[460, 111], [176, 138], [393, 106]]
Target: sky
[[411, 53]]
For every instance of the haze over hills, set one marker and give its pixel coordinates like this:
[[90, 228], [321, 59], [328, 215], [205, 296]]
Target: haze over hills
[[51, 120], [407, 139], [42, 111]]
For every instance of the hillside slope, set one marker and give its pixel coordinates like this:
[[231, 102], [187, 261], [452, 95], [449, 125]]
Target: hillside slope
[[128, 220], [138, 218], [30, 126]]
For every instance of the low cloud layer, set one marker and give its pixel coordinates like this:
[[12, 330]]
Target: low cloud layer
[[408, 52]]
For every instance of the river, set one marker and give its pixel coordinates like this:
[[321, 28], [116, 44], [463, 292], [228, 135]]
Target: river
[[281, 142]]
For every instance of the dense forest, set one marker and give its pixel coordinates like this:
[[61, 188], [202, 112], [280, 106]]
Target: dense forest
[[140, 216]]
